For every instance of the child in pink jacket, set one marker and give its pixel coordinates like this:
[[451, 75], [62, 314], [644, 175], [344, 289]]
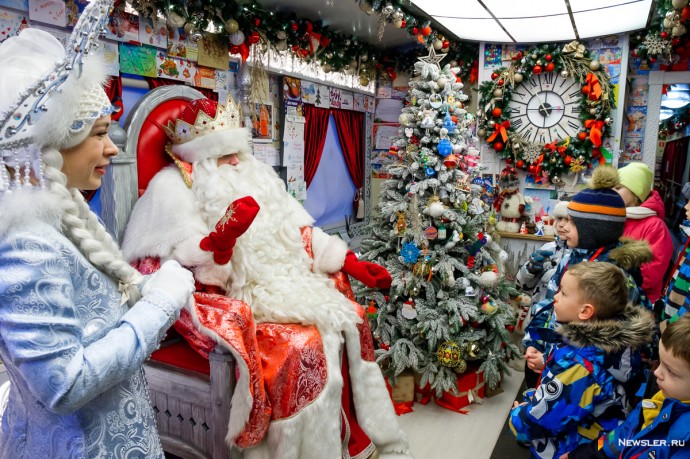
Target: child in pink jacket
[[645, 221]]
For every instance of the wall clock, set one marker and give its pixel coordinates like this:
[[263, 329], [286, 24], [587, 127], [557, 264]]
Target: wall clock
[[548, 112]]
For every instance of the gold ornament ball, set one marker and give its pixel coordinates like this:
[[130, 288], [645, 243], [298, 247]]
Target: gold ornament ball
[[564, 74], [592, 111], [608, 121], [438, 44], [481, 133], [498, 93], [461, 367], [534, 56], [594, 66], [441, 82], [517, 78], [679, 4], [448, 354], [364, 81], [581, 158], [678, 30], [414, 291], [232, 26], [421, 269], [553, 160], [281, 45], [326, 68], [473, 350]]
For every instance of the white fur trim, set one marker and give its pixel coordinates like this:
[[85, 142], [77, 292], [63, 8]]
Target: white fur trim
[[329, 251], [215, 145], [27, 207], [169, 207], [373, 405]]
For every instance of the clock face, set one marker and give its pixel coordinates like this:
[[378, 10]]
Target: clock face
[[546, 108]]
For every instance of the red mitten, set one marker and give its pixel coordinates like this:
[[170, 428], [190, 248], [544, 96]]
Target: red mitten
[[238, 216], [370, 274]]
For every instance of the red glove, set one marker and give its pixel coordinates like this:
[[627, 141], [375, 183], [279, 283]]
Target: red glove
[[238, 216], [370, 274]]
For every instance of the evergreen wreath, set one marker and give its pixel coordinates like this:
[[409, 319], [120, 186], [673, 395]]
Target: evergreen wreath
[[550, 160]]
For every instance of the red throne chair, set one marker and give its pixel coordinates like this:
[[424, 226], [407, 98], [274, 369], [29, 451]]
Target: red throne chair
[[191, 396]]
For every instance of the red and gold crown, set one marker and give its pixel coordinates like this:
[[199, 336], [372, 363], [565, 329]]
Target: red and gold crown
[[207, 129], [202, 117]]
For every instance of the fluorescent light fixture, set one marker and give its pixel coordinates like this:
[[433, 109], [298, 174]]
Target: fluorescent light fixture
[[534, 21], [674, 103], [665, 114]]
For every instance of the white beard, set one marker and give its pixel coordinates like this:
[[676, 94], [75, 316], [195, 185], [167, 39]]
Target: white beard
[[270, 269]]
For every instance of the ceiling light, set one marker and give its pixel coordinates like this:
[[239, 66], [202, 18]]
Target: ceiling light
[[674, 103]]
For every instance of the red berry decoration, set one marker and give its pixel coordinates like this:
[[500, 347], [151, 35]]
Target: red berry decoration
[[568, 159], [548, 57], [496, 112], [520, 164], [498, 146], [510, 328], [415, 31], [500, 82], [403, 24], [537, 69], [494, 76], [582, 135], [550, 66]]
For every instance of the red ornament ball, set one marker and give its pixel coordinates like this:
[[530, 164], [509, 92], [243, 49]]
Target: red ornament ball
[[537, 69], [415, 31], [664, 35], [496, 112], [257, 22], [582, 135], [309, 26], [403, 24], [294, 26], [568, 159], [254, 37], [548, 57], [451, 161], [426, 31], [498, 146], [500, 82], [520, 164], [585, 90], [509, 161], [652, 59], [494, 76], [550, 66]]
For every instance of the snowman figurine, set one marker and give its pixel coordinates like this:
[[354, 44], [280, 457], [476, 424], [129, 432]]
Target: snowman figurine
[[509, 202]]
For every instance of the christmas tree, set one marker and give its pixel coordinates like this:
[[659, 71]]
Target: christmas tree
[[447, 311]]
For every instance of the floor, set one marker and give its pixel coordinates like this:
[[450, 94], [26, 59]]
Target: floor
[[437, 433]]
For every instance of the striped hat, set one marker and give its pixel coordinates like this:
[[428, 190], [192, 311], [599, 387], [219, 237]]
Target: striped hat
[[598, 211]]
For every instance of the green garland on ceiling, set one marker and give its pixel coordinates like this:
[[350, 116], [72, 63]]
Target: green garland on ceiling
[[666, 32], [242, 24]]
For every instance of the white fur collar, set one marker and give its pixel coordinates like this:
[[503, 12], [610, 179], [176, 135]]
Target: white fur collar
[[26, 207]]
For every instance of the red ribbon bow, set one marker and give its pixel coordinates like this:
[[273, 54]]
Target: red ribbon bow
[[592, 83], [500, 128], [594, 127]]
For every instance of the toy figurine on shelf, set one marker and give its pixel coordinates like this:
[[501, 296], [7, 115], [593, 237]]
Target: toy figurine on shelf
[[523, 228], [509, 202], [540, 228]]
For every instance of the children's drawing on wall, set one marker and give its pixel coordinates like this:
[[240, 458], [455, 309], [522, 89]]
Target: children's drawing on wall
[[262, 123], [638, 90], [292, 95], [636, 116], [632, 151], [11, 24]]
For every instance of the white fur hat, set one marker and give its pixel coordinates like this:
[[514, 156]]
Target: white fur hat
[[560, 210]]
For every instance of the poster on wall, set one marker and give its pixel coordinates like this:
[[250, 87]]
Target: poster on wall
[[185, 70], [123, 26], [359, 102], [153, 32], [638, 90], [213, 52], [636, 116], [346, 100], [335, 97], [293, 144], [51, 12], [309, 92], [179, 45], [262, 122], [74, 9], [609, 54], [138, 60], [111, 57], [22, 5], [383, 136], [322, 97], [292, 96], [11, 24]]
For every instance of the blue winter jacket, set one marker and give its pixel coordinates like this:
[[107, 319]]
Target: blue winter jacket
[[585, 384]]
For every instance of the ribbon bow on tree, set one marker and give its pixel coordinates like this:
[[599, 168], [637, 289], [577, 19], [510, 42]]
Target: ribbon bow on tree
[[500, 128], [594, 127], [592, 87], [575, 47]]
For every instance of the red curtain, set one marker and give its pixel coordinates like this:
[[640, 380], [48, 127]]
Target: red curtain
[[350, 135], [113, 88], [156, 82], [315, 130]]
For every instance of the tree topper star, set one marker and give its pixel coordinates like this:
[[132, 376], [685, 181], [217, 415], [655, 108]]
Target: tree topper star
[[432, 58]]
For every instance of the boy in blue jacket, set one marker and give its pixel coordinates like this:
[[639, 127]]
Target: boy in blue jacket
[[596, 218], [582, 392], [659, 427]]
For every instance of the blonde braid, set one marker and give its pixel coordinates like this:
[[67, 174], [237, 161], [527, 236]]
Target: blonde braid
[[82, 227]]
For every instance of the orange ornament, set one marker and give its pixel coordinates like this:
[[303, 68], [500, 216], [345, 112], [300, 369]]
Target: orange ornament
[[568, 160], [585, 90], [496, 112], [582, 135], [426, 31], [550, 66]]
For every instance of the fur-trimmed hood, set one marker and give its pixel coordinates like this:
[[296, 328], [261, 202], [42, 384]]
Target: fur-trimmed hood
[[631, 329], [631, 254]]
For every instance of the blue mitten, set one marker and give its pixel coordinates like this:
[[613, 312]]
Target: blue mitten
[[535, 265]]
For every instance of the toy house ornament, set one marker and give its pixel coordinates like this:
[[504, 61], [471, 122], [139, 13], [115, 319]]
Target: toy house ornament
[[509, 202]]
